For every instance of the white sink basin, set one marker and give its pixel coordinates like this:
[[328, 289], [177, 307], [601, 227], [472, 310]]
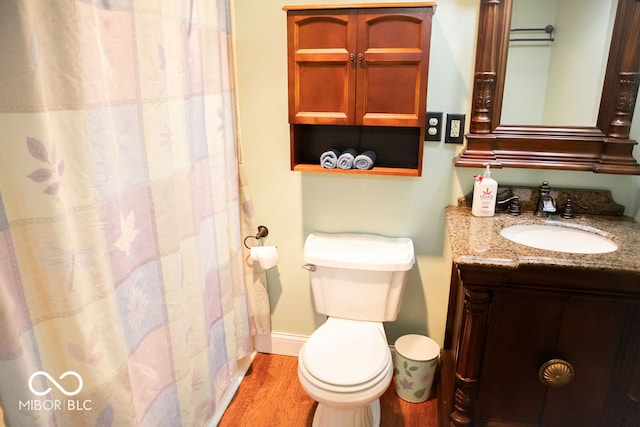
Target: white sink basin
[[559, 238]]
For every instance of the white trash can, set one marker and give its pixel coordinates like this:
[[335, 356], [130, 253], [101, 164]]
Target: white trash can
[[416, 360]]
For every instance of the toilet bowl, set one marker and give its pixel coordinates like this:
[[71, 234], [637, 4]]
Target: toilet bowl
[[345, 365]]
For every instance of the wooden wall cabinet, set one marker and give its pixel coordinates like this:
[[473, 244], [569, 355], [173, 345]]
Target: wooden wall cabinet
[[509, 323], [358, 78]]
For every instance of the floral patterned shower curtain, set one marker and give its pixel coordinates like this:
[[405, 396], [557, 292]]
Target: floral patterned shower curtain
[[122, 301]]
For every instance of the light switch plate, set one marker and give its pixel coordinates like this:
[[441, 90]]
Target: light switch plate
[[433, 130]]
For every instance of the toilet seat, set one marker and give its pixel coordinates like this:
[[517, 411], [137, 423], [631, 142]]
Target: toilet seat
[[346, 356]]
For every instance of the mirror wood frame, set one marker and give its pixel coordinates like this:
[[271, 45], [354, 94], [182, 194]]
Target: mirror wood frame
[[603, 148]]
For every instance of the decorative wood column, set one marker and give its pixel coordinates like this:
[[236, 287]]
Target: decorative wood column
[[617, 110], [484, 106], [469, 362], [626, 95]]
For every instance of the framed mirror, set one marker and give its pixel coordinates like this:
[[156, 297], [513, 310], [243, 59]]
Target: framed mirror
[[603, 147]]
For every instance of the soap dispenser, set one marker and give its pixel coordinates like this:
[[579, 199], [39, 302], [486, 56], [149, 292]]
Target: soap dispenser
[[485, 190]]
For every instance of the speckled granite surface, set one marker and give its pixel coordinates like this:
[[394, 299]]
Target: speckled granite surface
[[478, 241]]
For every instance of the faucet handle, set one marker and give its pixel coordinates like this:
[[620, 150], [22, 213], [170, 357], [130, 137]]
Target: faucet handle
[[512, 205], [569, 211]]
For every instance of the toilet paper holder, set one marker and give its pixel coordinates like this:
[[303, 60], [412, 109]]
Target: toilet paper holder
[[262, 232]]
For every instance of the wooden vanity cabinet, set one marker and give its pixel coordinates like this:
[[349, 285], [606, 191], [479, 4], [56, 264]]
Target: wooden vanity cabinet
[[509, 323], [352, 67]]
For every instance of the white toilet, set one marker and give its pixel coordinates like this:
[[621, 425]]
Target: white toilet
[[345, 365]]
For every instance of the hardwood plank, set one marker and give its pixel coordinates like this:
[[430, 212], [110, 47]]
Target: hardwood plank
[[271, 396]]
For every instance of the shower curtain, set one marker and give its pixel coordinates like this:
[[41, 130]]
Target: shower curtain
[[122, 299]]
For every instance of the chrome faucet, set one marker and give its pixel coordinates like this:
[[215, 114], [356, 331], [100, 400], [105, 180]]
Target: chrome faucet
[[546, 204]]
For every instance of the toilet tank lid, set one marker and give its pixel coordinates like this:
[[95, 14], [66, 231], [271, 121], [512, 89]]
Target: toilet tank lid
[[359, 251]]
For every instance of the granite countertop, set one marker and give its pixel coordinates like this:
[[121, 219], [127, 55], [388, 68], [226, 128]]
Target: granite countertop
[[477, 241]]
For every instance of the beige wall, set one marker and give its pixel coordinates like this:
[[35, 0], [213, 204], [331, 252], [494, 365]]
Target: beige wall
[[292, 204]]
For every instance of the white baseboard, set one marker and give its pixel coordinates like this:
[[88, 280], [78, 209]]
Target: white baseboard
[[280, 343]]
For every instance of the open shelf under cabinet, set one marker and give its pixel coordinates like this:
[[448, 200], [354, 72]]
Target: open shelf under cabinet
[[398, 149]]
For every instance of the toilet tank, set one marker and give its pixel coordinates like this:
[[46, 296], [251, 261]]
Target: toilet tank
[[358, 276]]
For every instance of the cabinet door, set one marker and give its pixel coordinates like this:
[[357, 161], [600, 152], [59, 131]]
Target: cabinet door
[[322, 66], [522, 335], [393, 66], [590, 338], [528, 328]]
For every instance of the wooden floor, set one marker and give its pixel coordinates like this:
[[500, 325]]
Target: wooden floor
[[271, 396]]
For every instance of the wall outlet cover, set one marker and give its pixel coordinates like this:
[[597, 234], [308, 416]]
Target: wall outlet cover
[[454, 133], [433, 131]]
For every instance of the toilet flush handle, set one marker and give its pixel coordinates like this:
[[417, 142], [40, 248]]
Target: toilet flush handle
[[310, 267]]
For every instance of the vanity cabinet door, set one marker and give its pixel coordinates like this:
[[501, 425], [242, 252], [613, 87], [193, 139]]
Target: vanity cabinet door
[[528, 328], [522, 336], [593, 338]]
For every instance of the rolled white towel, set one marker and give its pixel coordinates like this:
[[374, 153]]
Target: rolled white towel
[[365, 160], [345, 161], [329, 159]]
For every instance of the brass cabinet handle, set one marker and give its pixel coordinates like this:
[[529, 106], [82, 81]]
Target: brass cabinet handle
[[352, 56], [360, 56], [556, 373]]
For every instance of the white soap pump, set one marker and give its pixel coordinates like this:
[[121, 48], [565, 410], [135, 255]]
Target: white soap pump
[[485, 191]]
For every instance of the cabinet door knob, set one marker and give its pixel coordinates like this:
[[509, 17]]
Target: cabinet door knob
[[360, 56], [556, 373], [352, 56]]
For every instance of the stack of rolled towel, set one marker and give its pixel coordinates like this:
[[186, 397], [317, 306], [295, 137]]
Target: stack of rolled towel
[[348, 159]]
